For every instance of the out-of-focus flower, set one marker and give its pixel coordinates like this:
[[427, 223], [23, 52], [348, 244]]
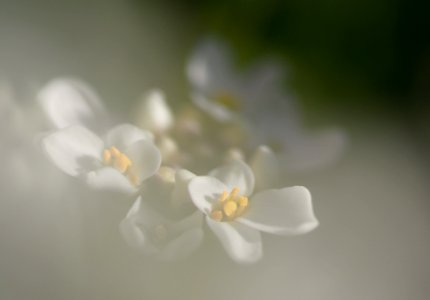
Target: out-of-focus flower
[[68, 101], [120, 162], [256, 100], [24, 168], [154, 113], [224, 93], [162, 222], [236, 216]]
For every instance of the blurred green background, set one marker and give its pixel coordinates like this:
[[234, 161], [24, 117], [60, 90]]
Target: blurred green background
[[373, 53]]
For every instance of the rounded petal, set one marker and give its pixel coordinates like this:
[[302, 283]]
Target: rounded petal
[[132, 228], [189, 236], [217, 111], [124, 135], [109, 179], [236, 174], [286, 211], [242, 243], [75, 150], [154, 113], [204, 191], [265, 167], [71, 102], [183, 236], [310, 152], [209, 64], [145, 157]]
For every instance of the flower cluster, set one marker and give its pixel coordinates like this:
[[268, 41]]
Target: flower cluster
[[218, 160]]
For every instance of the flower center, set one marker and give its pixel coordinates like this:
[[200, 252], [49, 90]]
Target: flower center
[[120, 161], [230, 206], [228, 100]]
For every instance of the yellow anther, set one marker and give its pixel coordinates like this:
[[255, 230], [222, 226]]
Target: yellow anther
[[230, 208], [233, 194], [115, 158], [224, 196], [134, 179], [107, 157], [231, 205], [160, 232], [243, 201], [217, 215], [114, 151], [122, 162]]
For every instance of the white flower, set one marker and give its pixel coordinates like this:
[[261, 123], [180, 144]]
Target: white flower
[[237, 216], [68, 101], [153, 225], [224, 93], [120, 162], [257, 100]]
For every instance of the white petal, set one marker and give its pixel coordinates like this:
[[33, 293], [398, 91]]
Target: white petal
[[189, 237], [155, 113], [242, 243], [145, 157], [132, 231], [286, 211], [217, 111], [109, 179], [264, 81], [236, 174], [265, 167], [204, 191], [124, 135], [209, 63], [180, 193], [185, 235], [310, 152], [71, 102], [75, 150]]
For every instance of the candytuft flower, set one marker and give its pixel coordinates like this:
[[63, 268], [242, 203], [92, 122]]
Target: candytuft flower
[[119, 162], [236, 215]]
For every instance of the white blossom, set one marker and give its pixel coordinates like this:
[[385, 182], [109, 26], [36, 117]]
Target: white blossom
[[236, 215], [119, 162]]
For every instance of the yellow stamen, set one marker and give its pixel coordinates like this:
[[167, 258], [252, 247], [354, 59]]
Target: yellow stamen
[[229, 208], [243, 201], [114, 151], [122, 162], [224, 196], [217, 215], [107, 157]]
